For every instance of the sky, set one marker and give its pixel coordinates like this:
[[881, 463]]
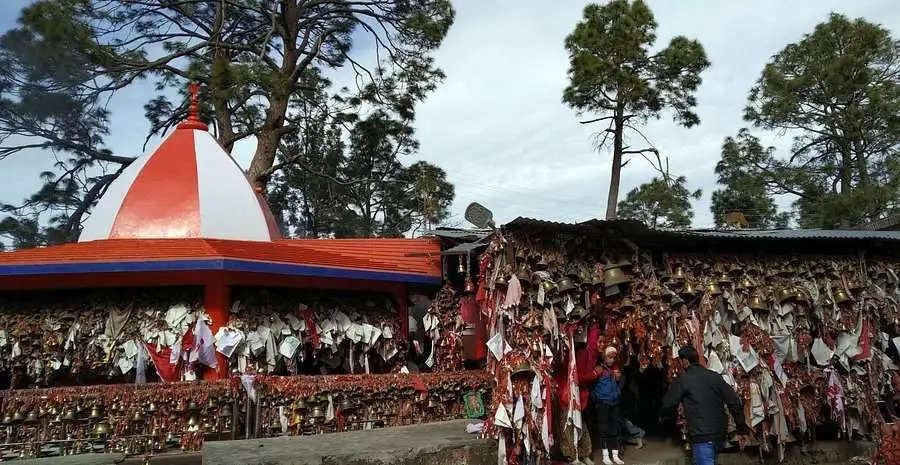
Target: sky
[[497, 125]]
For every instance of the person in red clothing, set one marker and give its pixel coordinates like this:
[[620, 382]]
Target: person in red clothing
[[585, 360]]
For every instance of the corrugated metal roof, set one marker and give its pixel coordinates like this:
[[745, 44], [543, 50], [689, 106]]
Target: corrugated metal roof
[[789, 234], [639, 231], [454, 233]]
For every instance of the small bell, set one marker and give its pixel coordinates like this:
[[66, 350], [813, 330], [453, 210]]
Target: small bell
[[713, 288], [318, 412], [786, 294], [626, 304], [524, 274], [101, 429], [689, 288], [613, 275], [69, 416], [96, 412], [17, 417], [679, 274], [470, 286], [461, 269], [565, 284], [347, 405], [548, 287], [152, 408], [137, 418], [226, 411], [501, 281], [841, 296], [745, 283], [758, 303], [32, 417], [724, 278]]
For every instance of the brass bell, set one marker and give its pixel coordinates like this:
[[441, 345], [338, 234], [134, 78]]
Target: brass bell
[[689, 288], [32, 417], [501, 280], [7, 420], [69, 416], [524, 274], [713, 288], [679, 274], [521, 253], [470, 286], [522, 368], [565, 284], [17, 417], [800, 296], [745, 283], [758, 303], [841, 296], [101, 429], [578, 313], [300, 405], [584, 277], [152, 408], [226, 411], [462, 266], [548, 287], [193, 421], [626, 304], [347, 404], [96, 412], [613, 275], [725, 278], [318, 412], [786, 294], [193, 406]]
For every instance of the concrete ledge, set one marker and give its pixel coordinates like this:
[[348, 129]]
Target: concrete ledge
[[444, 443]]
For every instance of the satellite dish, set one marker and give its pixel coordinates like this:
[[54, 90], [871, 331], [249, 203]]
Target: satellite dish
[[480, 216]]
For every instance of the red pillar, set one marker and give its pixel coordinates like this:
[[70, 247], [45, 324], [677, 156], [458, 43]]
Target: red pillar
[[217, 302], [402, 299]]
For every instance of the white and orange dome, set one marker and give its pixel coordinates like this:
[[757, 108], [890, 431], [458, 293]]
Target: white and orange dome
[[188, 187]]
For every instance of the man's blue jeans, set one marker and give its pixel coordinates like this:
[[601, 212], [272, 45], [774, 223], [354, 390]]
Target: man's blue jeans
[[704, 453]]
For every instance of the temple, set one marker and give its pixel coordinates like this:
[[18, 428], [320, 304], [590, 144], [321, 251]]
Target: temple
[[181, 274]]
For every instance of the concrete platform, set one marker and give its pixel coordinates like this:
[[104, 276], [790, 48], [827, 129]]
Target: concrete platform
[[667, 452], [444, 443]]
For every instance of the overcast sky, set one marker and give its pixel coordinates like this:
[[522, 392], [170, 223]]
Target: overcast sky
[[498, 127]]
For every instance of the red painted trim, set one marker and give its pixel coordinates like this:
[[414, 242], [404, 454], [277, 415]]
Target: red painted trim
[[163, 200]]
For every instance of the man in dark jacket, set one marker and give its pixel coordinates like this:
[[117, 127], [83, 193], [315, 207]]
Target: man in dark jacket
[[703, 392]]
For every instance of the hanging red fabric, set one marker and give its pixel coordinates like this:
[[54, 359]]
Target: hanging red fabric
[[167, 371]]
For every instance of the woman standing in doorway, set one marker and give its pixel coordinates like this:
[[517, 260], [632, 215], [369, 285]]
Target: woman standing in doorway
[[605, 397]]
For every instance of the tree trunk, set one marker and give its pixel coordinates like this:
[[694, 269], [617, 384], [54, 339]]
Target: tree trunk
[[612, 200], [267, 140]]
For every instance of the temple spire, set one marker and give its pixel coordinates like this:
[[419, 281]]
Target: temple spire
[[193, 120]]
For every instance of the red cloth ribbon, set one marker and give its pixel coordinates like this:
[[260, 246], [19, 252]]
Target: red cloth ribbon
[[309, 316], [168, 372]]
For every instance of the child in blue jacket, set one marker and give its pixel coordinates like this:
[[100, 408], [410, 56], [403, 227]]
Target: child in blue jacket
[[605, 397]]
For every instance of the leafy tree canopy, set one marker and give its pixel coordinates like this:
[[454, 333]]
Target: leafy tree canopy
[[616, 78], [661, 203]]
